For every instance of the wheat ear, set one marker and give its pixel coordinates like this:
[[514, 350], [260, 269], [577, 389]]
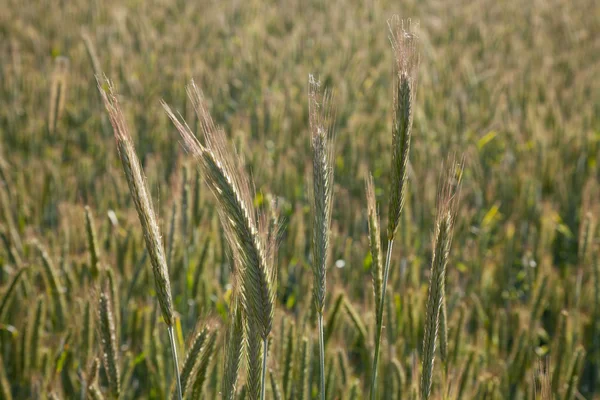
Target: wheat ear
[[442, 240], [233, 350], [143, 205], [374, 241], [201, 370], [108, 343], [321, 124], [191, 357], [7, 297], [404, 44], [58, 297], [246, 234]]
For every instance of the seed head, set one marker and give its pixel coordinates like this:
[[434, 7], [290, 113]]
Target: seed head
[[246, 233], [321, 123], [142, 200], [404, 43]]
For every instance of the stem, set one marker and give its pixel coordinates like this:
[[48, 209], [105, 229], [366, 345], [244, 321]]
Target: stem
[[379, 321], [175, 362], [264, 368], [445, 382], [322, 354]]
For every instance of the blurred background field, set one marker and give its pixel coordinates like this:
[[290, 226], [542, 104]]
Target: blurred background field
[[512, 85]]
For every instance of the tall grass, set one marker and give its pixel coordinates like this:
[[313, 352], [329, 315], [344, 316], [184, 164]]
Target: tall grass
[[404, 41], [246, 234], [107, 334], [436, 298], [143, 205], [321, 125], [92, 261]]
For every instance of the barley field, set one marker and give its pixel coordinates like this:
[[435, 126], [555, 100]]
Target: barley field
[[300, 199]]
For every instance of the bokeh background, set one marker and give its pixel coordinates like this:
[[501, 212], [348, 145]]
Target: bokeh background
[[510, 85]]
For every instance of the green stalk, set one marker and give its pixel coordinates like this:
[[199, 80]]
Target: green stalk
[[175, 362], [264, 367], [322, 355], [379, 321]]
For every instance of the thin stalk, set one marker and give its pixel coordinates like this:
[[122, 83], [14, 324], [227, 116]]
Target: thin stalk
[[322, 354], [445, 383], [175, 362], [264, 367], [379, 321]]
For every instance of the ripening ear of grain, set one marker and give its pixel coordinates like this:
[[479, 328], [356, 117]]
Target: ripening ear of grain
[[143, 205], [13, 241], [191, 357], [254, 359], [234, 347], [231, 187], [142, 201], [434, 300], [442, 240], [108, 344], [246, 234], [56, 291], [450, 192], [374, 242], [321, 123], [58, 92], [9, 293], [202, 366], [13, 255], [443, 333], [404, 41], [36, 329]]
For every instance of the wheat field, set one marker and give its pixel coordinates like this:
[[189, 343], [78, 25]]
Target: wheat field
[[300, 199]]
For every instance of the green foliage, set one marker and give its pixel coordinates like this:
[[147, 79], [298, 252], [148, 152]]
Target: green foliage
[[511, 85]]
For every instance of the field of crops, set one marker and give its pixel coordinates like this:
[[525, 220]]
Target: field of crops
[[258, 252]]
